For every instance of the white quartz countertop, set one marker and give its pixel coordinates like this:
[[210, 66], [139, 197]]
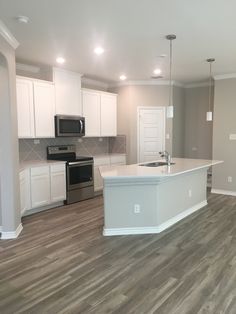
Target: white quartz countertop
[[182, 165], [38, 163]]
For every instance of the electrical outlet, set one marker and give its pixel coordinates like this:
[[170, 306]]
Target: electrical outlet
[[80, 140], [194, 149], [100, 139], [189, 193], [230, 179], [137, 208], [167, 136], [36, 142]]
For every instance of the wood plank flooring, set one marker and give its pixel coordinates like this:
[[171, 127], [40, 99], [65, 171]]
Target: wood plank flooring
[[61, 263]]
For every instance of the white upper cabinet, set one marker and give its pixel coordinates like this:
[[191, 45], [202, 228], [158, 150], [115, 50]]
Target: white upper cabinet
[[68, 92], [91, 112], [108, 115], [35, 108], [44, 106], [100, 112], [25, 108]]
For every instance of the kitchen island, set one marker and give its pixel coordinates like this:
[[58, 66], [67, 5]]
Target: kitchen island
[[141, 200]]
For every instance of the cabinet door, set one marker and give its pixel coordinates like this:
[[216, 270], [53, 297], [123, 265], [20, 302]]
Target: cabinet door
[[40, 186], [98, 181], [68, 92], [44, 104], [108, 115], [91, 112], [25, 108], [58, 183], [24, 191]]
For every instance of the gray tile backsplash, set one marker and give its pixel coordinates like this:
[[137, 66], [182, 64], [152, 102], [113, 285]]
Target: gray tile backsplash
[[28, 150]]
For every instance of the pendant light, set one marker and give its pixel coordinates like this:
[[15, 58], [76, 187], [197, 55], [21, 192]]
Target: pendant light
[[170, 107], [209, 115]]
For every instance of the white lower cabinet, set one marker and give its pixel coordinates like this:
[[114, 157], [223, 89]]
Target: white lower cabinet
[[110, 160], [25, 199], [58, 183], [42, 185], [99, 161]]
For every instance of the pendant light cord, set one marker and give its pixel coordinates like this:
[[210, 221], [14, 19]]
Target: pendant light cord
[[170, 86], [210, 82]]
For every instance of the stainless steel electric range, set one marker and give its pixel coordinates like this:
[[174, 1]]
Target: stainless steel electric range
[[79, 172]]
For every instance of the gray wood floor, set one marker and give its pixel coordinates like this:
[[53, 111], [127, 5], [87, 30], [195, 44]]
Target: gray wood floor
[[62, 264]]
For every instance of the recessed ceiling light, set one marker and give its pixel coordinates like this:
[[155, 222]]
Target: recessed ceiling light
[[60, 60], [157, 71], [99, 51], [22, 19], [123, 77]]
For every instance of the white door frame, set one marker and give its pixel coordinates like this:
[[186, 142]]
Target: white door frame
[[163, 108]]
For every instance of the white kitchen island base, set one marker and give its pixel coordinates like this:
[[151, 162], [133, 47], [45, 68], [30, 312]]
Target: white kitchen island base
[[152, 200]]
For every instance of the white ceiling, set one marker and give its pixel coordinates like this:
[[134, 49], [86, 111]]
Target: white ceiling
[[132, 33]]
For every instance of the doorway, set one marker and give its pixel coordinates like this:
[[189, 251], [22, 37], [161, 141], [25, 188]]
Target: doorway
[[150, 133]]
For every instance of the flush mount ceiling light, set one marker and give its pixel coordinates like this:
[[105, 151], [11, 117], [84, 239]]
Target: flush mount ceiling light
[[157, 71], [99, 50], [209, 115], [60, 60], [123, 77], [22, 19], [170, 107]]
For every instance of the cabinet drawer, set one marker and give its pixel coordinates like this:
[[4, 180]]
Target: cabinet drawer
[[118, 159], [57, 168], [102, 161], [39, 171]]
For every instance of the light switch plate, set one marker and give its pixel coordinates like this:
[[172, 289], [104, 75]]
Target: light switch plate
[[232, 137]]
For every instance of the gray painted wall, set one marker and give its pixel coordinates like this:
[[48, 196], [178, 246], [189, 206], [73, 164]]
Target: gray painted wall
[[131, 97], [224, 125], [178, 122], [9, 153], [198, 132]]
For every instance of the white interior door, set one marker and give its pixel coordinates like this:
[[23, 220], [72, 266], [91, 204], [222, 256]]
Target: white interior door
[[151, 133]]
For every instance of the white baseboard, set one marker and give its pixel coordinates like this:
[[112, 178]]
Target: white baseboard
[[187, 212], [11, 234], [225, 192], [155, 229]]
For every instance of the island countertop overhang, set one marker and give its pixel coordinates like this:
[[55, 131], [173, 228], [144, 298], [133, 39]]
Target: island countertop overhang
[[136, 171]]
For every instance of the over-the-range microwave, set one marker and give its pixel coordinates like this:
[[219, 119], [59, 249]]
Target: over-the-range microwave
[[69, 125]]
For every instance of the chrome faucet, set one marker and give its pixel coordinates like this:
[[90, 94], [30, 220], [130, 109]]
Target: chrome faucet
[[167, 156]]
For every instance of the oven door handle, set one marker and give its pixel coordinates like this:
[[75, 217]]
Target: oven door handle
[[80, 163]]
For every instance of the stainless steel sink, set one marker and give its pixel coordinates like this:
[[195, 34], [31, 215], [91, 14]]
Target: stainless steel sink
[[156, 164]]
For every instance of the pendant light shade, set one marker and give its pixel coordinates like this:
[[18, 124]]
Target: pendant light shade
[[170, 108], [209, 114]]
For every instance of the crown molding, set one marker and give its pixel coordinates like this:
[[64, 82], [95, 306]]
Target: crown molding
[[147, 83], [88, 81], [199, 84], [7, 35], [224, 76], [27, 68]]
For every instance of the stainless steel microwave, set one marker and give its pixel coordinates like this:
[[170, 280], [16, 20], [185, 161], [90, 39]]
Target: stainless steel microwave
[[69, 125]]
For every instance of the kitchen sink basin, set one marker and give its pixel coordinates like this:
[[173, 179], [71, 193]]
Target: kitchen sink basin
[[156, 164]]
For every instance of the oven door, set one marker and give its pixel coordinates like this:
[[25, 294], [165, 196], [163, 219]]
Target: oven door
[[79, 175]]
